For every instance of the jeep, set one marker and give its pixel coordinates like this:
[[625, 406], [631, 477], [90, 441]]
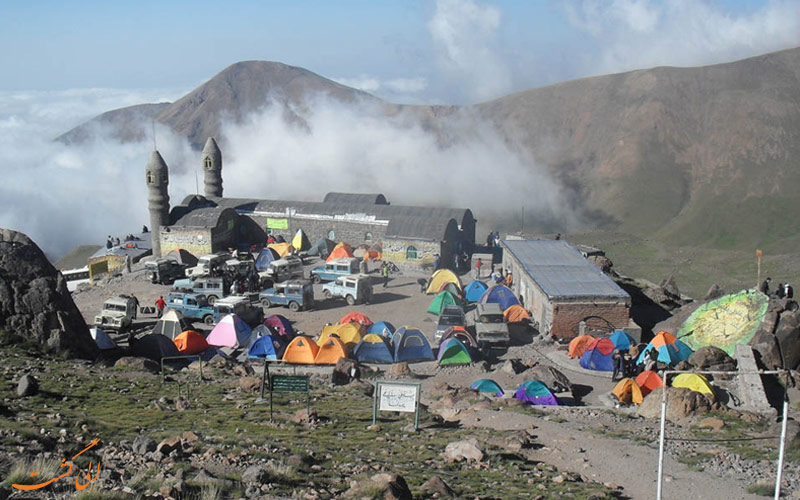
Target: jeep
[[490, 325], [335, 268], [192, 306], [241, 306], [117, 313], [355, 288], [212, 288], [164, 271], [450, 316], [295, 295]]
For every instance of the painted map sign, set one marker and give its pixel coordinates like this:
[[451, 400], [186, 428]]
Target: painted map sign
[[397, 397], [726, 321]]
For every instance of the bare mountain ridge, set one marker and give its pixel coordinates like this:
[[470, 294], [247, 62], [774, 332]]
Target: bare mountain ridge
[[689, 155]]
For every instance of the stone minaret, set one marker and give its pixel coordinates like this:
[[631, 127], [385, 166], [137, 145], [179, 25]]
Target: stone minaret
[[212, 168], [157, 198]]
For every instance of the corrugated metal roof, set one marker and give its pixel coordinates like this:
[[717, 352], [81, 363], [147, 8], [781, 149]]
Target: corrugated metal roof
[[201, 217], [361, 198], [422, 228], [562, 272]]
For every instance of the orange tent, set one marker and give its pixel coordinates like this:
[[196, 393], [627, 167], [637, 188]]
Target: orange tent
[[330, 352], [628, 391], [301, 350], [648, 381], [516, 314], [282, 249], [340, 251], [356, 317], [578, 345], [190, 342]]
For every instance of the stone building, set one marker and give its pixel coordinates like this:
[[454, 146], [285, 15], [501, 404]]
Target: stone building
[[410, 235], [563, 290]]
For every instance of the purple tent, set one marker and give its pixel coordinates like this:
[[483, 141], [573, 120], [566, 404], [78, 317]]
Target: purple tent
[[536, 393], [279, 325]]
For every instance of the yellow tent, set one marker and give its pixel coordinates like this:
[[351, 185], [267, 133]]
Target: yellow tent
[[628, 391], [300, 241], [441, 278], [349, 333], [282, 249], [694, 382]]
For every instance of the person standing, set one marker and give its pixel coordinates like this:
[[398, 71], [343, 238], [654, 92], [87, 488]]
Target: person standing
[[128, 263], [160, 305], [765, 286], [478, 266], [788, 291], [135, 306], [385, 272]]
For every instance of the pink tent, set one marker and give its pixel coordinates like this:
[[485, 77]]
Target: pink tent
[[230, 332]]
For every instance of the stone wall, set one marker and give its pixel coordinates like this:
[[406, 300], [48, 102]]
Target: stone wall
[[196, 241]]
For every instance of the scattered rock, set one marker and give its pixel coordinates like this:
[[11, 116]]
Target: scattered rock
[[684, 366], [143, 445], [669, 287], [765, 346], [551, 377], [714, 292], [601, 261], [788, 336], [384, 485], [398, 370], [256, 474], [168, 445], [712, 358], [513, 367], [681, 403], [712, 423], [303, 416], [462, 450], [204, 478], [141, 364], [243, 370], [27, 386], [436, 485], [345, 371], [250, 383]]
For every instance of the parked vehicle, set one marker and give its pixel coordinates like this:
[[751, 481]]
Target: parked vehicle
[[450, 316], [335, 268], [117, 313], [286, 268], [164, 271], [295, 295], [241, 306], [208, 264], [356, 288], [239, 268], [212, 288], [490, 325], [192, 306]]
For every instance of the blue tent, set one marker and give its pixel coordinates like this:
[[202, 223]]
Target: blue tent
[[267, 346], [473, 291], [598, 356], [410, 344], [621, 340], [266, 256], [373, 348], [499, 294], [487, 385], [383, 328]]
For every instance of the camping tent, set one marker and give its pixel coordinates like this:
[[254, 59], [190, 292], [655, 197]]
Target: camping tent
[[153, 346], [536, 393], [322, 247], [356, 317], [516, 314], [487, 385], [182, 256], [440, 278], [473, 291], [621, 340], [499, 294], [410, 344], [301, 350], [694, 382], [375, 252], [300, 241], [267, 346], [231, 331], [282, 249], [461, 334], [453, 352], [171, 324], [670, 350], [264, 258], [598, 356], [648, 381], [578, 345], [348, 333], [442, 299], [453, 289], [102, 339], [381, 328], [628, 391], [279, 325], [340, 251], [190, 342], [373, 348], [330, 352]]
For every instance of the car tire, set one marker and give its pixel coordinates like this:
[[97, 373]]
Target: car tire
[[208, 319], [211, 299], [266, 303], [350, 300], [328, 294], [317, 279], [294, 306]]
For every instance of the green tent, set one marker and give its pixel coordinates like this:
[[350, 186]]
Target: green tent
[[453, 289], [442, 299], [453, 352]]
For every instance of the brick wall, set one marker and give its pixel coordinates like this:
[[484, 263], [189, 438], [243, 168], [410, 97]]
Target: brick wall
[[568, 315]]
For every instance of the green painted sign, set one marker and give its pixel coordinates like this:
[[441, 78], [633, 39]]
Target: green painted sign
[[289, 383], [277, 223]]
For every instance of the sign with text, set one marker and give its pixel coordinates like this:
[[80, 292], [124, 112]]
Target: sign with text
[[277, 223], [396, 396], [289, 383]]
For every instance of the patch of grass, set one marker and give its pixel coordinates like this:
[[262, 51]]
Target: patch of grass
[[765, 490], [44, 469], [695, 460], [101, 495]]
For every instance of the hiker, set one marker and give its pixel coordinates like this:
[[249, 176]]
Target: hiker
[[618, 358], [271, 239], [135, 306], [385, 273], [652, 359], [780, 291], [435, 261], [144, 229], [489, 240], [631, 368], [478, 266], [765, 286], [509, 279], [116, 241], [497, 277], [160, 305], [109, 242], [788, 291]]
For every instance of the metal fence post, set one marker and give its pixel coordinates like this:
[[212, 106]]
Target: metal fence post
[[781, 445], [662, 436]]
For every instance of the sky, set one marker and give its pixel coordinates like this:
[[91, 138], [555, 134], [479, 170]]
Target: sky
[[64, 62]]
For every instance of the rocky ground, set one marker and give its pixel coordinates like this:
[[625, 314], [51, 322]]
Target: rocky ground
[[159, 441]]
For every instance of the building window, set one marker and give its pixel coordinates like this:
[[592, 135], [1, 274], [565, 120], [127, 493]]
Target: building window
[[411, 253], [151, 179], [332, 235], [209, 163], [368, 236]]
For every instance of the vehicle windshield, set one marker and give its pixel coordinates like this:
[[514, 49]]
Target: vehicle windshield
[[113, 307], [450, 320], [492, 318]]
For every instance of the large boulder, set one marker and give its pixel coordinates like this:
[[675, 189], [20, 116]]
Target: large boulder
[[551, 377], [35, 302], [765, 344], [787, 335], [681, 403], [712, 358]]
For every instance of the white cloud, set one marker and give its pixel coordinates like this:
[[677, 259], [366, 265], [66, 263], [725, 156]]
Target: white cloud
[[646, 33], [464, 35], [391, 88]]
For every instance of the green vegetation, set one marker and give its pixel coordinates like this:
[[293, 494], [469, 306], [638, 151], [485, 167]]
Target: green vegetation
[[765, 490]]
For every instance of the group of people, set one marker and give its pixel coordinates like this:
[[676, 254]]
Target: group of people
[[506, 279], [493, 239], [625, 364], [783, 290]]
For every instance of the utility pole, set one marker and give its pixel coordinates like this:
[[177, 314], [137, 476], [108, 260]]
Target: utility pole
[[758, 257]]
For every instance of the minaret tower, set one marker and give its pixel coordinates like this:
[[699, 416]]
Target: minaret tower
[[212, 168], [157, 174]]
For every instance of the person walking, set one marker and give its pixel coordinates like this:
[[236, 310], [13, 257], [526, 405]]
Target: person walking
[[385, 272], [160, 305], [478, 266], [135, 306]]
